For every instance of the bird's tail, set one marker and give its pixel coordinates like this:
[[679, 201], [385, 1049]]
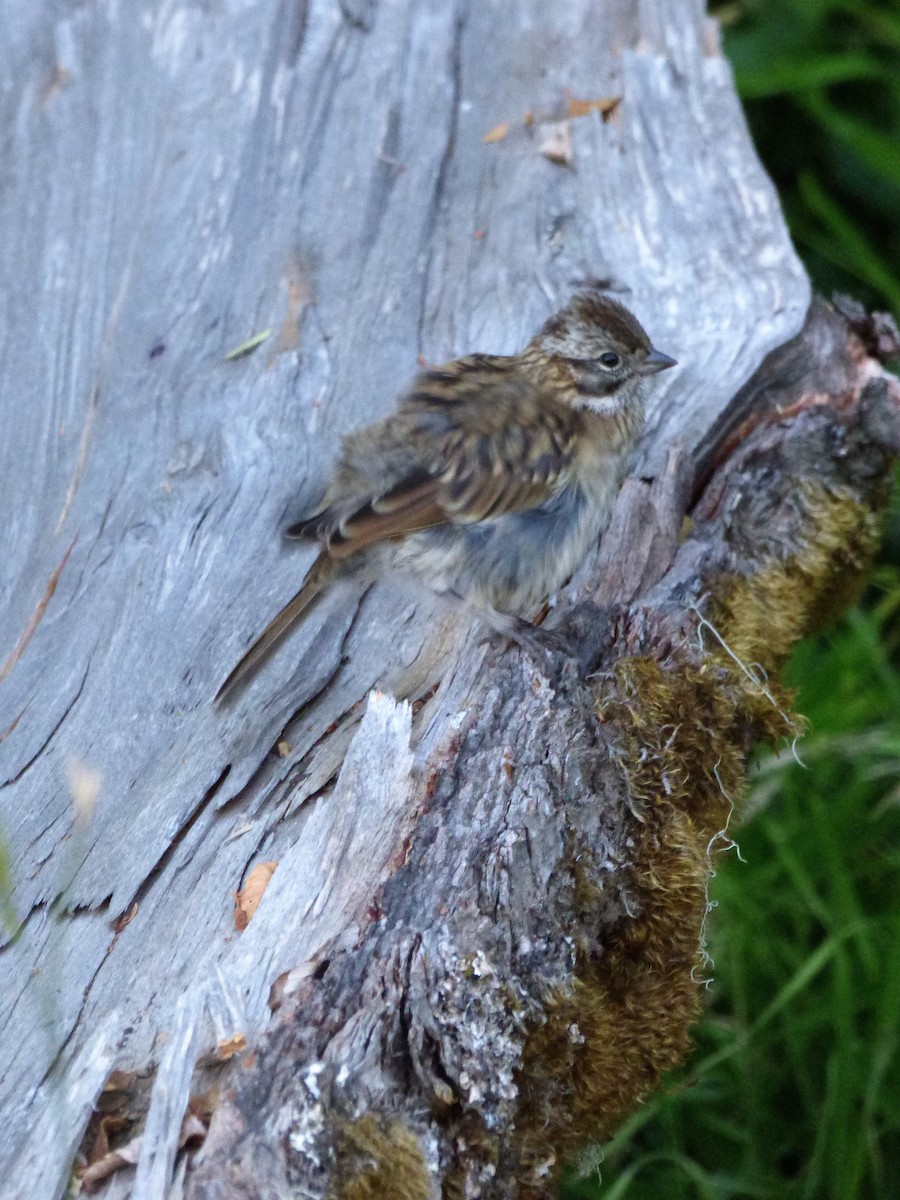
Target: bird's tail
[[320, 574]]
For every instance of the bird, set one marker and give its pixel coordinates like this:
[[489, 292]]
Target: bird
[[491, 480]]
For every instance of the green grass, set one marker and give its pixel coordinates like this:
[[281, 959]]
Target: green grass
[[821, 84], [793, 1091]]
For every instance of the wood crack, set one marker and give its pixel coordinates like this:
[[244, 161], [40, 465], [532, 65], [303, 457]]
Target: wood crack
[[449, 148], [188, 824], [14, 779]]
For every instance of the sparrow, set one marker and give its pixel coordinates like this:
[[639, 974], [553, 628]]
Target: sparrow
[[493, 478]]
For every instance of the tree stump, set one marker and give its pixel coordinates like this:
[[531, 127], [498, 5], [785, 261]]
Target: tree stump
[[483, 940]]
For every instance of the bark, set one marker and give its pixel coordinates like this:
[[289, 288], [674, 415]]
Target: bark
[[483, 939]]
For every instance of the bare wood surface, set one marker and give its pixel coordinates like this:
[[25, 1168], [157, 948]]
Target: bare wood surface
[[181, 178]]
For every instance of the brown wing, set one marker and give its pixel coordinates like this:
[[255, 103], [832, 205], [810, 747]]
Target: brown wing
[[472, 441]]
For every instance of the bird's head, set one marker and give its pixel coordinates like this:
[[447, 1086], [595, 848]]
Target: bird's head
[[601, 349]]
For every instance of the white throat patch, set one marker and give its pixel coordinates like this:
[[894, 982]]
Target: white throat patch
[[606, 406]]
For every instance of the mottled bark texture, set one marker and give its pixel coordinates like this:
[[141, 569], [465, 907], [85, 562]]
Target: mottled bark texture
[[483, 938], [537, 960]]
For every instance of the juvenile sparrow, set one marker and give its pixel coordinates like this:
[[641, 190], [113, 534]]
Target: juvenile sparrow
[[493, 478]]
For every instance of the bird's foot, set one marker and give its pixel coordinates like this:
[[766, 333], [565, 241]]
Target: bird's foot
[[549, 649], [539, 642]]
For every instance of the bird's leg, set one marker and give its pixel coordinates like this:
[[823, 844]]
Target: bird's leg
[[537, 642]]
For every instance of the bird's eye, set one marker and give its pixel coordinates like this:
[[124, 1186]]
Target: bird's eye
[[609, 359]]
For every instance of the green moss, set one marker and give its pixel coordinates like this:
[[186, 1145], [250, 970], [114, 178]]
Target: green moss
[[377, 1158], [762, 616], [687, 727], [603, 1046]]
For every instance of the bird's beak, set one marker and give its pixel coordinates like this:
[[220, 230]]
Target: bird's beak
[[656, 361]]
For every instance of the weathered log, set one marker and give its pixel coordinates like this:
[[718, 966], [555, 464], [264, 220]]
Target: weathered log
[[487, 932]]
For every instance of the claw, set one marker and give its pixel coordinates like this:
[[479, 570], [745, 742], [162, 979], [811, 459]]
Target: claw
[[542, 644]]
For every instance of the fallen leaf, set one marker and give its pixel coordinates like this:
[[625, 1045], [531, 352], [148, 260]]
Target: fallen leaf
[[556, 142], [112, 1161], [528, 119], [108, 1127], [246, 901], [228, 1047], [203, 1104], [249, 346], [498, 133], [192, 1130], [581, 108], [126, 918], [284, 749], [120, 1081]]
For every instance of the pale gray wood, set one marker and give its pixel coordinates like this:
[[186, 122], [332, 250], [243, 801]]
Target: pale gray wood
[[197, 173], [170, 1096], [61, 1112], [318, 897]]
